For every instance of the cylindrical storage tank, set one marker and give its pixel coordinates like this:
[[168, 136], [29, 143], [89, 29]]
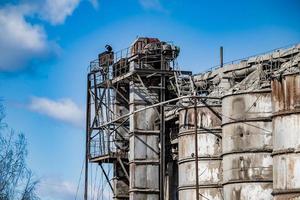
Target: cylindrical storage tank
[[286, 129], [209, 151], [247, 145]]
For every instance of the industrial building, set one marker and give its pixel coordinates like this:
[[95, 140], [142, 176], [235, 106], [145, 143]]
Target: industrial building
[[229, 133]]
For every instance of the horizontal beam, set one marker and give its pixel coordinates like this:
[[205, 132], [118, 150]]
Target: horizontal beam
[[153, 106]]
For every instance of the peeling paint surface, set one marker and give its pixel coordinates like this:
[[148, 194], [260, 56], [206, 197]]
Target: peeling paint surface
[[286, 126], [247, 167], [287, 171], [209, 151], [246, 106], [209, 173], [204, 194], [252, 136], [208, 145], [247, 146], [248, 191]]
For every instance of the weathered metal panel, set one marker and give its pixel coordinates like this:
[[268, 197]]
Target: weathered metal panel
[[143, 146], [204, 194], [254, 105], [144, 176], [246, 167], [144, 120], [209, 173], [209, 144], [206, 118], [287, 172], [209, 150], [251, 136], [286, 126], [247, 146], [283, 125], [248, 191], [289, 196], [286, 93], [143, 196]]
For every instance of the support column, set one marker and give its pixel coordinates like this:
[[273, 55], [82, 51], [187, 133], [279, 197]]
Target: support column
[[144, 150]]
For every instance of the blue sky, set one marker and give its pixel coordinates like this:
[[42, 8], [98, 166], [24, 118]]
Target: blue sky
[[46, 46]]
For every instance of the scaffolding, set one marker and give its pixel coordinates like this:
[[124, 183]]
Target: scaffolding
[[122, 87]]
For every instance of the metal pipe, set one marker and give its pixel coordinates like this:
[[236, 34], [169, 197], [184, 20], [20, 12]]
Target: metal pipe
[[123, 168], [155, 105], [162, 133], [107, 178], [87, 142], [221, 57], [196, 148]]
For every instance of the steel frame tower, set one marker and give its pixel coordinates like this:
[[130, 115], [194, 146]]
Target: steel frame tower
[[125, 122]]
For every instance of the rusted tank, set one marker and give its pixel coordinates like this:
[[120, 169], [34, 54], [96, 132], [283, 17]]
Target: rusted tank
[[209, 151], [286, 127], [143, 148], [247, 145]]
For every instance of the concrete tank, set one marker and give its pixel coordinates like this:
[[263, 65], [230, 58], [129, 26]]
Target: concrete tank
[[247, 146], [209, 150], [286, 128]]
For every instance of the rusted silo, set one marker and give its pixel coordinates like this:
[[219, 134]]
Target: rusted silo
[[247, 145], [209, 151], [286, 127]]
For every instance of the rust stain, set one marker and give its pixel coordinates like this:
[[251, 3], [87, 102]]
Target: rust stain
[[286, 93], [236, 194]]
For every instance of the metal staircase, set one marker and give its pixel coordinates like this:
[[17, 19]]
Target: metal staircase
[[182, 83]]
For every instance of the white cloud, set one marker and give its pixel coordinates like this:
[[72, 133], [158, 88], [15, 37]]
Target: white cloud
[[95, 3], [23, 42], [151, 5], [63, 110], [56, 189], [20, 41], [56, 11]]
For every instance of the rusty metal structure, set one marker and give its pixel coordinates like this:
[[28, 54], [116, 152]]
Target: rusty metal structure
[[159, 133]]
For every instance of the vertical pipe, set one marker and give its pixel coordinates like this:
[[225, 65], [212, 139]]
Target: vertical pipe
[[162, 133], [221, 56], [87, 138], [196, 148]]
